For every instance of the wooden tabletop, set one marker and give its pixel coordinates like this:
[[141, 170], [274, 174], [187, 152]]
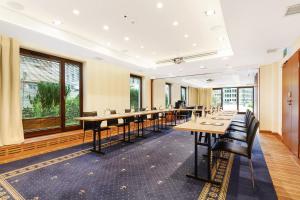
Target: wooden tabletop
[[132, 114], [213, 124]]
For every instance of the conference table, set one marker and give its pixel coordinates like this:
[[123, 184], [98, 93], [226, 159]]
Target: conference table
[[212, 124], [105, 117]]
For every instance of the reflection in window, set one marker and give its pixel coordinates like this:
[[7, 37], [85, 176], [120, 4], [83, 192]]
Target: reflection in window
[[135, 92], [168, 95], [72, 93], [40, 92]]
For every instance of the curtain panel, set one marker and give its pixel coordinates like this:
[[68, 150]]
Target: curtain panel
[[204, 96], [11, 129]]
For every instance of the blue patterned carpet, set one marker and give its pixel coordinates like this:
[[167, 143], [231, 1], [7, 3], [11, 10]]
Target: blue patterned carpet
[[152, 168]]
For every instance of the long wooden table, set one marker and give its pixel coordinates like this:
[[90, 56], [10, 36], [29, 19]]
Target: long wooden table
[[101, 118], [214, 124]]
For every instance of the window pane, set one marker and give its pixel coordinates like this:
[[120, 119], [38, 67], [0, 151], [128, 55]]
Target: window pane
[[217, 98], [245, 99], [40, 93], [72, 92], [168, 95], [183, 94], [135, 92], [230, 99]]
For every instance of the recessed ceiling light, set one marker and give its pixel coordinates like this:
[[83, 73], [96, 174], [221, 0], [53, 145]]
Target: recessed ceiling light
[[201, 67], [56, 22], [175, 23], [126, 38], [108, 44], [76, 12], [142, 47], [186, 35], [194, 44], [159, 5], [137, 56], [210, 12], [105, 27]]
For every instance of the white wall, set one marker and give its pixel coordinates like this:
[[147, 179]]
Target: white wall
[[105, 86], [269, 98], [271, 93], [159, 92]]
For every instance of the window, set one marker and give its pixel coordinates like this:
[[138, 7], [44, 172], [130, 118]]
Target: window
[[246, 99], [240, 98], [229, 99], [183, 94], [51, 93], [135, 92], [168, 95], [217, 97]]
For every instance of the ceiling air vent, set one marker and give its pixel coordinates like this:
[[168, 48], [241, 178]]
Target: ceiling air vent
[[295, 9], [182, 59], [209, 80]]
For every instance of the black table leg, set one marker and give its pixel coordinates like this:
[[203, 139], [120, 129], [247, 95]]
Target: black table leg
[[94, 139], [99, 141], [195, 175], [124, 131], [209, 162]]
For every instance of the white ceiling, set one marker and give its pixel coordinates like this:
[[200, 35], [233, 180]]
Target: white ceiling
[[249, 29]]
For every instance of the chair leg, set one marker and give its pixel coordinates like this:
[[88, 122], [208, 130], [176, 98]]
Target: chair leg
[[251, 170]]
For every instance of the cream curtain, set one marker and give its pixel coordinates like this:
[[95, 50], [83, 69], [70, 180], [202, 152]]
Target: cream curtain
[[204, 96], [11, 129]]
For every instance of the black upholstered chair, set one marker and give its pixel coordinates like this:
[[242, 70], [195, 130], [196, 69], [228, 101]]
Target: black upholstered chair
[[239, 149], [114, 123], [139, 121], [154, 118], [242, 122], [128, 121], [91, 125], [163, 119], [242, 128], [239, 135]]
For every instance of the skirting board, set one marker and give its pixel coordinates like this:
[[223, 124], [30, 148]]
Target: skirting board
[[271, 133]]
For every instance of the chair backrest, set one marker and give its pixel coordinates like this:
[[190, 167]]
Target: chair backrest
[[90, 125], [128, 119], [127, 110], [112, 122], [155, 115], [249, 120], [251, 135]]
